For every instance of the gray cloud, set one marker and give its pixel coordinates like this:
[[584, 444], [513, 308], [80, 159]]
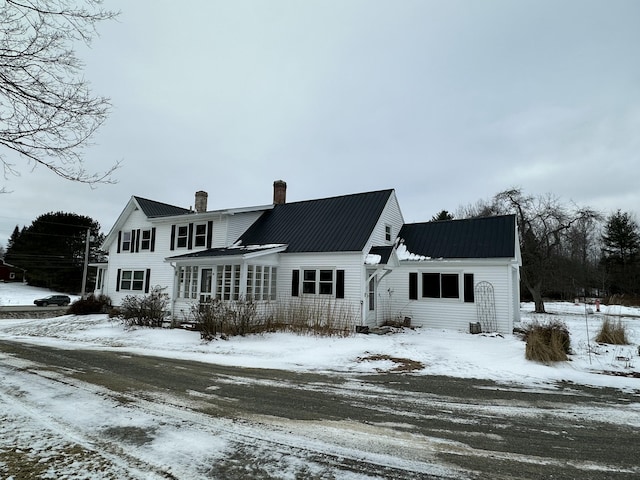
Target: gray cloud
[[447, 102]]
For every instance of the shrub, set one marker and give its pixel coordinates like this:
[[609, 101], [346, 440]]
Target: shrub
[[146, 311], [227, 318], [613, 332], [316, 317], [245, 316], [548, 342], [91, 304]]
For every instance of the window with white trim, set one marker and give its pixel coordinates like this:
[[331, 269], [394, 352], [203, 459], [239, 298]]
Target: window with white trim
[[182, 236], [132, 280], [387, 232], [318, 281], [145, 240], [261, 282], [188, 283], [442, 285], [126, 241], [200, 239], [228, 282]]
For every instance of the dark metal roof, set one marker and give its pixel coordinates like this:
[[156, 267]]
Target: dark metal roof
[[151, 208], [383, 251], [486, 237], [223, 252], [336, 224]]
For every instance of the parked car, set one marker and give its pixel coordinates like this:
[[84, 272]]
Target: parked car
[[60, 300]]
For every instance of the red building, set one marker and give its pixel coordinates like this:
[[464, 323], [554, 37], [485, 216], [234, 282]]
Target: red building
[[10, 273]]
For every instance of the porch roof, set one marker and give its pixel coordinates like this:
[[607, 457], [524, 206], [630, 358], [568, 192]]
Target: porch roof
[[233, 251]]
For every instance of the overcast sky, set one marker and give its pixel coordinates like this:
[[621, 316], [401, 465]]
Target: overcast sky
[[448, 102]]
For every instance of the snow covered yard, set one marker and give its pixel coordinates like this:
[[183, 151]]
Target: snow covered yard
[[440, 352], [70, 429]]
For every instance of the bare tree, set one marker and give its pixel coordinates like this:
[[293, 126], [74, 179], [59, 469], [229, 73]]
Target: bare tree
[[47, 111], [544, 224]]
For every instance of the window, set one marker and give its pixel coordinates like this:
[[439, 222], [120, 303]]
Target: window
[[183, 235], [201, 235], [309, 281], [450, 286], [326, 282], [321, 281], [132, 280], [228, 282], [387, 233], [431, 285], [188, 287], [439, 285], [261, 282], [145, 242], [126, 241]]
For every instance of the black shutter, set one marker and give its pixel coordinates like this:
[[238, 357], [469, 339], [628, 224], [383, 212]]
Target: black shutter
[[137, 240], [209, 233], [468, 288], [153, 239], [173, 237], [147, 280], [118, 281], [339, 283], [413, 286], [190, 241], [119, 239], [295, 283], [132, 243]]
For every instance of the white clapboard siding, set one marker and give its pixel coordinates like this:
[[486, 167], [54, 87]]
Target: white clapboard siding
[[392, 216], [350, 262], [449, 313]]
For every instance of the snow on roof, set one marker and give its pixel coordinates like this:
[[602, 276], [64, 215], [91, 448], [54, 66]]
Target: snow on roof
[[404, 254], [372, 259]]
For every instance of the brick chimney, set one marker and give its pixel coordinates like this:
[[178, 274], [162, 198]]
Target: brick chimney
[[201, 201], [279, 192]]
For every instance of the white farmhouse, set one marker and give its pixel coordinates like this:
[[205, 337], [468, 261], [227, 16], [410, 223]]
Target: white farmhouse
[[353, 251]]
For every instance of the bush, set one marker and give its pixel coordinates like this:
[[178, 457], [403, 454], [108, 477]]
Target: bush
[[245, 316], [227, 318], [613, 332], [146, 311], [317, 317], [548, 342], [91, 304]]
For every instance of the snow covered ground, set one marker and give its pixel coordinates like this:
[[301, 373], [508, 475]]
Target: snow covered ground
[[41, 420], [442, 352]]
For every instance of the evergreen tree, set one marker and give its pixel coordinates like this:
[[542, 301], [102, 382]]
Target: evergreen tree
[[621, 252], [442, 215], [51, 250]]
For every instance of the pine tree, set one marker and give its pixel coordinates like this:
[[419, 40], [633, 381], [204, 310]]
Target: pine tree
[[51, 250], [621, 240]]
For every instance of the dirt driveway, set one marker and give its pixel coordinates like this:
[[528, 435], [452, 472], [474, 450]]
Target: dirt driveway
[[278, 424]]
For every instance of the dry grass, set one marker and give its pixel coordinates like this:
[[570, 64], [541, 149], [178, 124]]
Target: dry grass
[[401, 364], [548, 342], [323, 318], [612, 332]]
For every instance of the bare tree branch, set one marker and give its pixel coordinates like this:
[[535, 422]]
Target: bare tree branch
[[48, 114]]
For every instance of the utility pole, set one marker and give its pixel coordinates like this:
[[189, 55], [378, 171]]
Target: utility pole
[[86, 262]]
